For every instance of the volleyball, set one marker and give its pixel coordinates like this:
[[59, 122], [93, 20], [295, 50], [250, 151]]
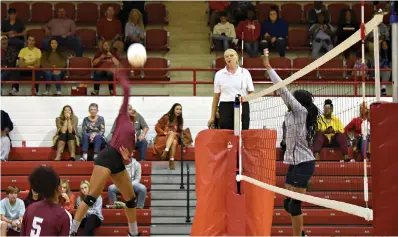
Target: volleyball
[[136, 55]]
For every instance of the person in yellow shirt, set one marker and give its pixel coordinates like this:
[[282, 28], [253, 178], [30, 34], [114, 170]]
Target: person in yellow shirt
[[29, 57], [330, 132]]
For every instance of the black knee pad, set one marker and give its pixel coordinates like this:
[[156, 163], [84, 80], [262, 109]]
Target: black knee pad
[[295, 207], [90, 200], [132, 203], [286, 204]]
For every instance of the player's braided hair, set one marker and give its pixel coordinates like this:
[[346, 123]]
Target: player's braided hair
[[45, 181], [306, 99]]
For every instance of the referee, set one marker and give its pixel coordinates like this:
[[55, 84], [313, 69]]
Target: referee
[[229, 82]]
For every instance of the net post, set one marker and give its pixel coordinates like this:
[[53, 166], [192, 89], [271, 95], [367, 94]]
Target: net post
[[237, 123], [237, 132], [394, 48], [377, 62]]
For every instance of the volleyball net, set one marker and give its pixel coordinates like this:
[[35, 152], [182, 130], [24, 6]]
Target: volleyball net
[[267, 111]]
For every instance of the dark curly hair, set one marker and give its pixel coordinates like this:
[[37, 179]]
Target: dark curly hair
[[306, 99], [45, 181]]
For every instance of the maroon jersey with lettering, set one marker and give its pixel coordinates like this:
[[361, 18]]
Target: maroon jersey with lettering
[[124, 134], [45, 218]]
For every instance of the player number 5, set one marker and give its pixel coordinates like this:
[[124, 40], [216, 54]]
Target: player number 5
[[36, 228]]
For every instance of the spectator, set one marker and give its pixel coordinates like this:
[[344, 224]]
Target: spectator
[[29, 57], [14, 29], [330, 132], [63, 30], [32, 198], [12, 210], [224, 32], [127, 7], [109, 28], [93, 218], [274, 33], [66, 132], [358, 65], [385, 63], [134, 170], [240, 10], [53, 58], [384, 34], [6, 127], [9, 56], [134, 30], [321, 33], [168, 130], [67, 199], [346, 27], [318, 8], [217, 8], [141, 129], [251, 30], [93, 129], [104, 59], [353, 131]]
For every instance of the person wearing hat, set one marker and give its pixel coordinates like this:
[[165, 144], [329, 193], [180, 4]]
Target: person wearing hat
[[14, 29]]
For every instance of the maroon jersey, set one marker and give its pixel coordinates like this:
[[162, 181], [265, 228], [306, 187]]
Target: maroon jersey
[[45, 219], [124, 134]]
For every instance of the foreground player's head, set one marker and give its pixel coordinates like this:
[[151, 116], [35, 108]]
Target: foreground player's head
[[45, 181], [306, 99]]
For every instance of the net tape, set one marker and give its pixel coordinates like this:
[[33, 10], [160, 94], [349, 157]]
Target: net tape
[[363, 212]]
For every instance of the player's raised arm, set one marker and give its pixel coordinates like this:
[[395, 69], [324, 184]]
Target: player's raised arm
[[126, 92], [286, 95]]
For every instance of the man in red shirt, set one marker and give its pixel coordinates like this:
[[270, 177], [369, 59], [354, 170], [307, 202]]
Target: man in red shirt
[[46, 217], [109, 28]]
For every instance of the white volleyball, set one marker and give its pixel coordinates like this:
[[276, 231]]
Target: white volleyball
[[136, 54]]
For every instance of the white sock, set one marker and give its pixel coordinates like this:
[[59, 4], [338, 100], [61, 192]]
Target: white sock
[[171, 158], [133, 229], [75, 226], [166, 149]]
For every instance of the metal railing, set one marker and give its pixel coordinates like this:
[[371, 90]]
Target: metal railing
[[188, 217], [182, 159], [83, 79]]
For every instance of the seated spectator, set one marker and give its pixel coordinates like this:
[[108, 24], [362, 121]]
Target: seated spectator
[[353, 131], [12, 210], [218, 8], [67, 199], [240, 10], [330, 132], [141, 129], [274, 33], [251, 30], [168, 130], [63, 30], [93, 218], [347, 26], [126, 9], [29, 57], [14, 29], [93, 129], [134, 30], [134, 170], [385, 62], [318, 8], [9, 56], [384, 34], [109, 28], [53, 58], [224, 32], [358, 65], [321, 33], [104, 59], [32, 198], [6, 127], [66, 133]]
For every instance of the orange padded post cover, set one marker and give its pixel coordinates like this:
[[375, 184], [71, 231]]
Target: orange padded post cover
[[219, 210]]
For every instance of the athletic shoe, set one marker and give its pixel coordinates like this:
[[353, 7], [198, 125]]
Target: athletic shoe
[[73, 234], [129, 235]]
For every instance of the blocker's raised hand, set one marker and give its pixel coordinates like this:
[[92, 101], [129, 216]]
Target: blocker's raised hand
[[266, 59]]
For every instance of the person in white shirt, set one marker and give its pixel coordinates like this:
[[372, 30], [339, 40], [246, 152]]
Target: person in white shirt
[[12, 210], [224, 32], [134, 170], [229, 83]]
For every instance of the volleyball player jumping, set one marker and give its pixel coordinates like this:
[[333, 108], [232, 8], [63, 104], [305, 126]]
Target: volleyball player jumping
[[110, 162], [46, 217], [301, 126]]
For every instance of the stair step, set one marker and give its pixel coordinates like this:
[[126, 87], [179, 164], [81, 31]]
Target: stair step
[[170, 220], [170, 187], [176, 195], [173, 203], [169, 229], [171, 179], [172, 211]]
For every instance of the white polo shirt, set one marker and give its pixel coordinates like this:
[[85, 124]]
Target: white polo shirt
[[229, 85]]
